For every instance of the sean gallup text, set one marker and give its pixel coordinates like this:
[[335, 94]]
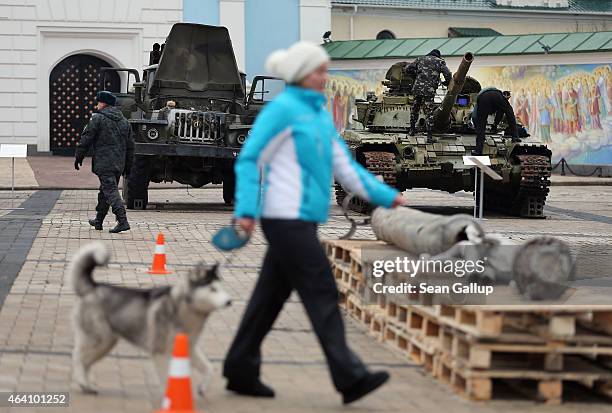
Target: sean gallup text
[[425, 288]]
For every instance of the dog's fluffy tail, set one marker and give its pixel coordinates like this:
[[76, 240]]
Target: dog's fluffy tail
[[83, 264]]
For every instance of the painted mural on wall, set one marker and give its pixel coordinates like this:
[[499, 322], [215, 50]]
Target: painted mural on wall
[[569, 107]]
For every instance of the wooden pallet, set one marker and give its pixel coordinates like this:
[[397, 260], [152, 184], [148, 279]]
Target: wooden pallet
[[395, 337], [474, 348], [345, 259], [342, 297], [369, 316], [341, 250], [422, 325], [539, 322], [548, 356], [478, 384], [396, 312], [377, 324], [355, 308], [342, 277], [409, 342]]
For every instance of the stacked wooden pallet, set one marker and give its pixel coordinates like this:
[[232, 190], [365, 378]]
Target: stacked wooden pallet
[[531, 348], [345, 257]]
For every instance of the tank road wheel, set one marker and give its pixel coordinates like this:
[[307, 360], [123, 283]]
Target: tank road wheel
[[378, 163], [136, 189], [229, 188]]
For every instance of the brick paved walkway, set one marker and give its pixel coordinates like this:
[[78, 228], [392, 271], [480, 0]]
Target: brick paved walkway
[[24, 175], [18, 230], [57, 172], [36, 337]]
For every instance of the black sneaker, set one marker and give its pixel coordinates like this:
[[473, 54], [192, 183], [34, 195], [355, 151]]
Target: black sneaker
[[253, 389], [96, 224], [366, 385], [476, 153], [120, 227]]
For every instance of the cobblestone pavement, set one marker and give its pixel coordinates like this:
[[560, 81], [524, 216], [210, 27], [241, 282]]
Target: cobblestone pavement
[[36, 337]]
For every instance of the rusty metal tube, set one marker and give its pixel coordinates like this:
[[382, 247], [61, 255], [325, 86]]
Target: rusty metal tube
[[419, 232], [442, 114]]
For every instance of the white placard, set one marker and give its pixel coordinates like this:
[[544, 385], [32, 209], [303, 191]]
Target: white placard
[[485, 160], [13, 150]]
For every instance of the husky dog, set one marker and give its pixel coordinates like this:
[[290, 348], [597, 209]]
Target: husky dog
[[147, 318]]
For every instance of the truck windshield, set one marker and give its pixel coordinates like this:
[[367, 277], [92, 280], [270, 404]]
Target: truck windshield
[[150, 76], [264, 90]]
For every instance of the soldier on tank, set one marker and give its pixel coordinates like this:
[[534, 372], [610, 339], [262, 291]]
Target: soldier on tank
[[492, 101], [427, 70], [110, 137]]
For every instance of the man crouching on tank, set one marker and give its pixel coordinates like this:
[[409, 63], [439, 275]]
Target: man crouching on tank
[[109, 134]]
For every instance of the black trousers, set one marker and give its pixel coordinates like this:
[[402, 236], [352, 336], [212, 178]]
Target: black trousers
[[295, 260], [108, 196], [481, 126]]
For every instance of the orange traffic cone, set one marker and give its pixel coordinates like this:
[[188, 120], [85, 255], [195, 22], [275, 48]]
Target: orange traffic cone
[[178, 397], [159, 257]]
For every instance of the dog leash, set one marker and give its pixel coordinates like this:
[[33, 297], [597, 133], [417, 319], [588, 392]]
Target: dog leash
[[354, 223], [228, 259]]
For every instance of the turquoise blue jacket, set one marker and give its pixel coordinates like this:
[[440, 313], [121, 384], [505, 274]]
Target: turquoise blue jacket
[[285, 169]]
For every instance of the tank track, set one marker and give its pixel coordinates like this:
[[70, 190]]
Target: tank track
[[530, 196], [379, 163]]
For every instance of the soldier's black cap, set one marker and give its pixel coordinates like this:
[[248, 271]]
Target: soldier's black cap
[[435, 52], [107, 97]]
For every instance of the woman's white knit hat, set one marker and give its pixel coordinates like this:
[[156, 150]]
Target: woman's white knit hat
[[295, 63]]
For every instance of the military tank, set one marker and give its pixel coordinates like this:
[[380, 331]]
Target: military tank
[[385, 147]]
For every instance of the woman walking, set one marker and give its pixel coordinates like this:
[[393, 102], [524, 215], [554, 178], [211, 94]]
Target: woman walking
[[297, 149]]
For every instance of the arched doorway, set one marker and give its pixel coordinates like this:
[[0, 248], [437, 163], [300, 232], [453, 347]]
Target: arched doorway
[[73, 85]]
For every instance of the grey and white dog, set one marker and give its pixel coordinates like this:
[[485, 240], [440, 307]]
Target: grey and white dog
[[147, 318]]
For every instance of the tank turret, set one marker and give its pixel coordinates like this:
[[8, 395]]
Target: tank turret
[[443, 112], [391, 110]]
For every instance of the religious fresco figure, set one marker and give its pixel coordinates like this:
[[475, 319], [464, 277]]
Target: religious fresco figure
[[595, 102], [567, 106]]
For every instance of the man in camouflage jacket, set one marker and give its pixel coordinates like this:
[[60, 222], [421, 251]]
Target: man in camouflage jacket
[[110, 137], [427, 70]]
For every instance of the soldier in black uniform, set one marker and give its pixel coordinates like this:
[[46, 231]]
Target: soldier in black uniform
[[427, 69], [489, 101], [110, 136]]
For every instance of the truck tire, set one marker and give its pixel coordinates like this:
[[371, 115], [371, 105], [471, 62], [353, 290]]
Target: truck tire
[[229, 186], [136, 189]]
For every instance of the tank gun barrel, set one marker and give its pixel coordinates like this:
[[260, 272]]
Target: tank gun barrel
[[442, 114]]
